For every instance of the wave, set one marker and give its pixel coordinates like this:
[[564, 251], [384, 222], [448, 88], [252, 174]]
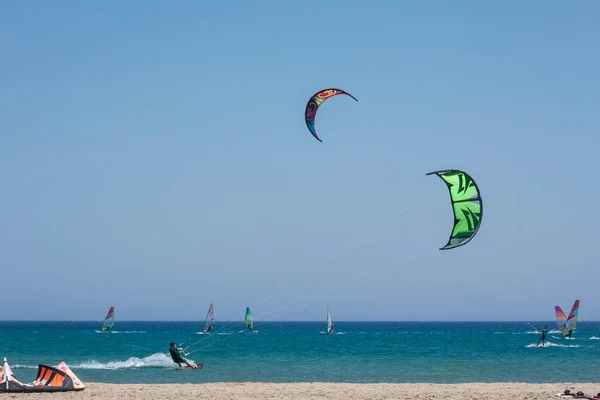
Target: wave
[[553, 331], [113, 332], [550, 344], [561, 338], [157, 360]]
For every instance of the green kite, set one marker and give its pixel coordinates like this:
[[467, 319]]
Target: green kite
[[466, 203]]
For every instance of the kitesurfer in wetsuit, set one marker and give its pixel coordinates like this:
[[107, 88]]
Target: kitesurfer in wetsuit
[[174, 351], [544, 334]]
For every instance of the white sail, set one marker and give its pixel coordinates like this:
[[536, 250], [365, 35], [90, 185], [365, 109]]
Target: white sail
[[209, 321], [329, 323]]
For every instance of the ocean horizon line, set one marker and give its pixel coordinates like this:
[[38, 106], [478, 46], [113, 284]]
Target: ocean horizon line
[[293, 321]]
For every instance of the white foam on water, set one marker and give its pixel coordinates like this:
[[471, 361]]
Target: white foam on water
[[536, 332], [154, 360], [565, 338], [550, 344]]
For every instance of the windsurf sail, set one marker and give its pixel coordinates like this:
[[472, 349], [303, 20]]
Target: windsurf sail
[[329, 323], [466, 204], [571, 319], [566, 324], [109, 320], [209, 321], [248, 321], [561, 319]]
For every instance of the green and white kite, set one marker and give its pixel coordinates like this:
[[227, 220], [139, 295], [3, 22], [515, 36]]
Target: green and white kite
[[466, 204]]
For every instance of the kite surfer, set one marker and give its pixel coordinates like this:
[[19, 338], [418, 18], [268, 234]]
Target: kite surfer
[[174, 351], [543, 338]]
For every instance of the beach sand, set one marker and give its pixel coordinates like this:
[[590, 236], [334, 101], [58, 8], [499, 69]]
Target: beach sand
[[330, 391]]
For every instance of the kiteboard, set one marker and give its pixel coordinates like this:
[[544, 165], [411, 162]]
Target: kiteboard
[[185, 366]]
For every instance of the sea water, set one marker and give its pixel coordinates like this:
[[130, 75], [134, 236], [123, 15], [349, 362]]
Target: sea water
[[361, 352]]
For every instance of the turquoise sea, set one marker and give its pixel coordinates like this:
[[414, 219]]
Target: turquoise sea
[[371, 352]]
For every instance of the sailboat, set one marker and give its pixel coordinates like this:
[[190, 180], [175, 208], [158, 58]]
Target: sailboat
[[209, 321], [567, 324], [110, 316], [248, 321]]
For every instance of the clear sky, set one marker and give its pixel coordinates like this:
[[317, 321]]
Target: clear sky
[[154, 157]]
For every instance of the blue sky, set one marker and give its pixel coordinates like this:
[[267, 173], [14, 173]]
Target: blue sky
[[154, 156]]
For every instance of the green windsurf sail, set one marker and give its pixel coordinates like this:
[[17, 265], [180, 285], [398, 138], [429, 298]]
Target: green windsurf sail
[[466, 204], [248, 320]]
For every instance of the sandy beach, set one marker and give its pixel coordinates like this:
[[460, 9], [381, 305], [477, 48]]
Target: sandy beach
[[305, 391]]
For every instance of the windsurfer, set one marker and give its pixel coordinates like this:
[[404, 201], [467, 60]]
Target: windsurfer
[[331, 329], [208, 329], [543, 338], [569, 333], [174, 351]]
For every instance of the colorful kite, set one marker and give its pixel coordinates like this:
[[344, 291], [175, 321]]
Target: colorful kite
[[466, 203], [313, 104]]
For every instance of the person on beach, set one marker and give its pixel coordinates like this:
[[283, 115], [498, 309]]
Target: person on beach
[[174, 351], [544, 334]]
